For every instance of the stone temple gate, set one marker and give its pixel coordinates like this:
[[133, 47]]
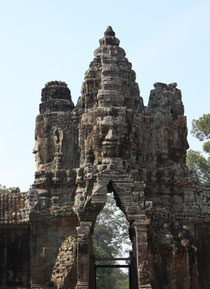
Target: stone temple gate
[[109, 141]]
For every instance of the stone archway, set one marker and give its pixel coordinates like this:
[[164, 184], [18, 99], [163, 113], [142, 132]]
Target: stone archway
[[127, 197], [112, 228]]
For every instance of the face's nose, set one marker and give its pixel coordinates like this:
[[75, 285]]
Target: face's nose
[[35, 149], [111, 135]]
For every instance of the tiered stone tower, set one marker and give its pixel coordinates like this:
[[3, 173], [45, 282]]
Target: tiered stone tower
[[108, 142]]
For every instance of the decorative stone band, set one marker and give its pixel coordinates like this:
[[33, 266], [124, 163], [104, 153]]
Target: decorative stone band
[[38, 286]]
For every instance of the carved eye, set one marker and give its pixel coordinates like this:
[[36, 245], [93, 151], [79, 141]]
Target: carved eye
[[104, 130], [89, 128]]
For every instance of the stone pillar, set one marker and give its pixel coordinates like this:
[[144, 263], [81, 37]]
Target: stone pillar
[[5, 240], [83, 255], [141, 227], [173, 273], [188, 277]]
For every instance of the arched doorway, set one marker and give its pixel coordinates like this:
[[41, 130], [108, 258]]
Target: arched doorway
[[112, 247], [125, 194]]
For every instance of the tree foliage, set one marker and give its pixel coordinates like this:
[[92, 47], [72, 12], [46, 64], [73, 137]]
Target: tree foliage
[[206, 147], [195, 160], [4, 189], [111, 230], [201, 130], [109, 238]]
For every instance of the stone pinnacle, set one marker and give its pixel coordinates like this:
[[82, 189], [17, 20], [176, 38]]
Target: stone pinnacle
[[109, 31]]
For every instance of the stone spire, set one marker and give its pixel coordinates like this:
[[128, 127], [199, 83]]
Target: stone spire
[[110, 80], [109, 38], [109, 31]]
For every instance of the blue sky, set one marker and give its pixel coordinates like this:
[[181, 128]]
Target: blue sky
[[43, 40]]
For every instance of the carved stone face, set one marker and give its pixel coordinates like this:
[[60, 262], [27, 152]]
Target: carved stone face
[[48, 143], [44, 153], [106, 132], [111, 144]]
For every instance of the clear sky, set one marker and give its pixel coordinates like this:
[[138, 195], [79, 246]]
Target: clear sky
[[43, 40]]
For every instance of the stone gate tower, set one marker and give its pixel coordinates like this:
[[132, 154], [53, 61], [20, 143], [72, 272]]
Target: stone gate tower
[[108, 142]]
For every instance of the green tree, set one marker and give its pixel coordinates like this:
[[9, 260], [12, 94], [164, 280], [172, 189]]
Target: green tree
[[201, 130], [4, 189], [195, 160], [109, 238]]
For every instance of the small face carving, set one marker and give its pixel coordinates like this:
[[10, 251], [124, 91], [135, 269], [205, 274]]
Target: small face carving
[[48, 145], [36, 152], [44, 153]]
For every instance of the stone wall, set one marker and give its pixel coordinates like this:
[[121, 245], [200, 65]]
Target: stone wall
[[14, 256]]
